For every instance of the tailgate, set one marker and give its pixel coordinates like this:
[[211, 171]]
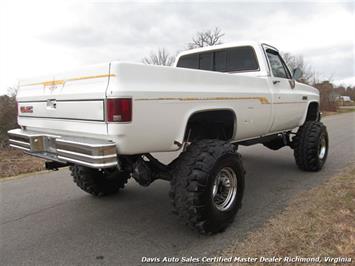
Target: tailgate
[[55, 102]]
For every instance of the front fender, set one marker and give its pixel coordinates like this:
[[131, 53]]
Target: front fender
[[303, 120]]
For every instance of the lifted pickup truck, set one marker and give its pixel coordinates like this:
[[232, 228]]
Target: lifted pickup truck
[[105, 121]]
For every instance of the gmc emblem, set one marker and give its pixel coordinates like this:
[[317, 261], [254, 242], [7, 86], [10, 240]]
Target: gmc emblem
[[26, 109]]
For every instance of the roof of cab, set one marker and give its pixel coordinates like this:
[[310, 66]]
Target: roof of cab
[[222, 46]]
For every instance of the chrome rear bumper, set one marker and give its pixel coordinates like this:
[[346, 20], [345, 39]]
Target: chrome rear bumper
[[84, 151]]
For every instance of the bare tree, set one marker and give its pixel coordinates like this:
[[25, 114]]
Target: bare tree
[[293, 62], [327, 101], [161, 57], [206, 38]]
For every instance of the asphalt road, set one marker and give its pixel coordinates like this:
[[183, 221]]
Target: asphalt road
[[46, 220]]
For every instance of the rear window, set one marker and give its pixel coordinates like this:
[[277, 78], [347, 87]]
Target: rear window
[[205, 61], [242, 58], [189, 61], [226, 60], [220, 61]]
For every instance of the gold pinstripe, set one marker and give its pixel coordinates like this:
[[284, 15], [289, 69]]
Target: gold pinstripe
[[62, 81], [263, 100]]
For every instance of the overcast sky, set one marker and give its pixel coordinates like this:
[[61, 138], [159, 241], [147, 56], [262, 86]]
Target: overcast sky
[[39, 38]]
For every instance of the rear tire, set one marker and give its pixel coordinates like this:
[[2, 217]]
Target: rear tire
[[99, 182], [207, 185], [311, 146]]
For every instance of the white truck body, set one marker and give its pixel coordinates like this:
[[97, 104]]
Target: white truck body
[[72, 105]]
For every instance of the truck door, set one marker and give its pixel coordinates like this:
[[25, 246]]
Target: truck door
[[282, 85]]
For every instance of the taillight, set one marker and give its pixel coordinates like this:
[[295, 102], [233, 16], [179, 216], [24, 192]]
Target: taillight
[[119, 110]]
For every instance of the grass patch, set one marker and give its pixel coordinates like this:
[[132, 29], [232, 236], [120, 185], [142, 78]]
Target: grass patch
[[340, 110], [14, 162], [346, 110], [320, 222]]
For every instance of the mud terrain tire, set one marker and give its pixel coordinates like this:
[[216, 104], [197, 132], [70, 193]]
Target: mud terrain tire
[[98, 182], [194, 185], [311, 146]]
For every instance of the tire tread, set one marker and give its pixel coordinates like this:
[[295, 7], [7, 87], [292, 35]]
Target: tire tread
[[96, 182], [306, 145], [190, 180]]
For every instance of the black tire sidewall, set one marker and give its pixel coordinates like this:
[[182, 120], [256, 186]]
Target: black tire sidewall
[[98, 183], [216, 217], [307, 146]]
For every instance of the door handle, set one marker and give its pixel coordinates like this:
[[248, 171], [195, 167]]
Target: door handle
[[275, 82]]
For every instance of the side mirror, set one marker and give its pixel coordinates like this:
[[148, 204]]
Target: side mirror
[[297, 73]]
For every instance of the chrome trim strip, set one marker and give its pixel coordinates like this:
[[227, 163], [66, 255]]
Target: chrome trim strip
[[85, 144], [94, 165], [19, 147], [19, 133], [86, 155], [20, 142], [46, 156], [94, 148]]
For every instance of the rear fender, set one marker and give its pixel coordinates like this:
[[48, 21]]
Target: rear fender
[[193, 112]]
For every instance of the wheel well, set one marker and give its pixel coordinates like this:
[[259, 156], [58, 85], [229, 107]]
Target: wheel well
[[312, 112], [211, 124]]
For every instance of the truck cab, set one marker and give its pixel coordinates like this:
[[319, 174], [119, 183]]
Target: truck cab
[[257, 60]]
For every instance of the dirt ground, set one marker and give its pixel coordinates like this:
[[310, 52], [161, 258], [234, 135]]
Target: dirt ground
[[319, 223], [14, 162]]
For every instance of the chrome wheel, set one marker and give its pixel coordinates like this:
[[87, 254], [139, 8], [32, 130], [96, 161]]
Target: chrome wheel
[[224, 188], [322, 148]]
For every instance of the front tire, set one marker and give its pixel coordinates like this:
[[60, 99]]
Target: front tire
[[311, 146], [207, 185], [98, 183]]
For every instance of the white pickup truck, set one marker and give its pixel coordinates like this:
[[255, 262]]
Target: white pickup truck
[[105, 121]]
